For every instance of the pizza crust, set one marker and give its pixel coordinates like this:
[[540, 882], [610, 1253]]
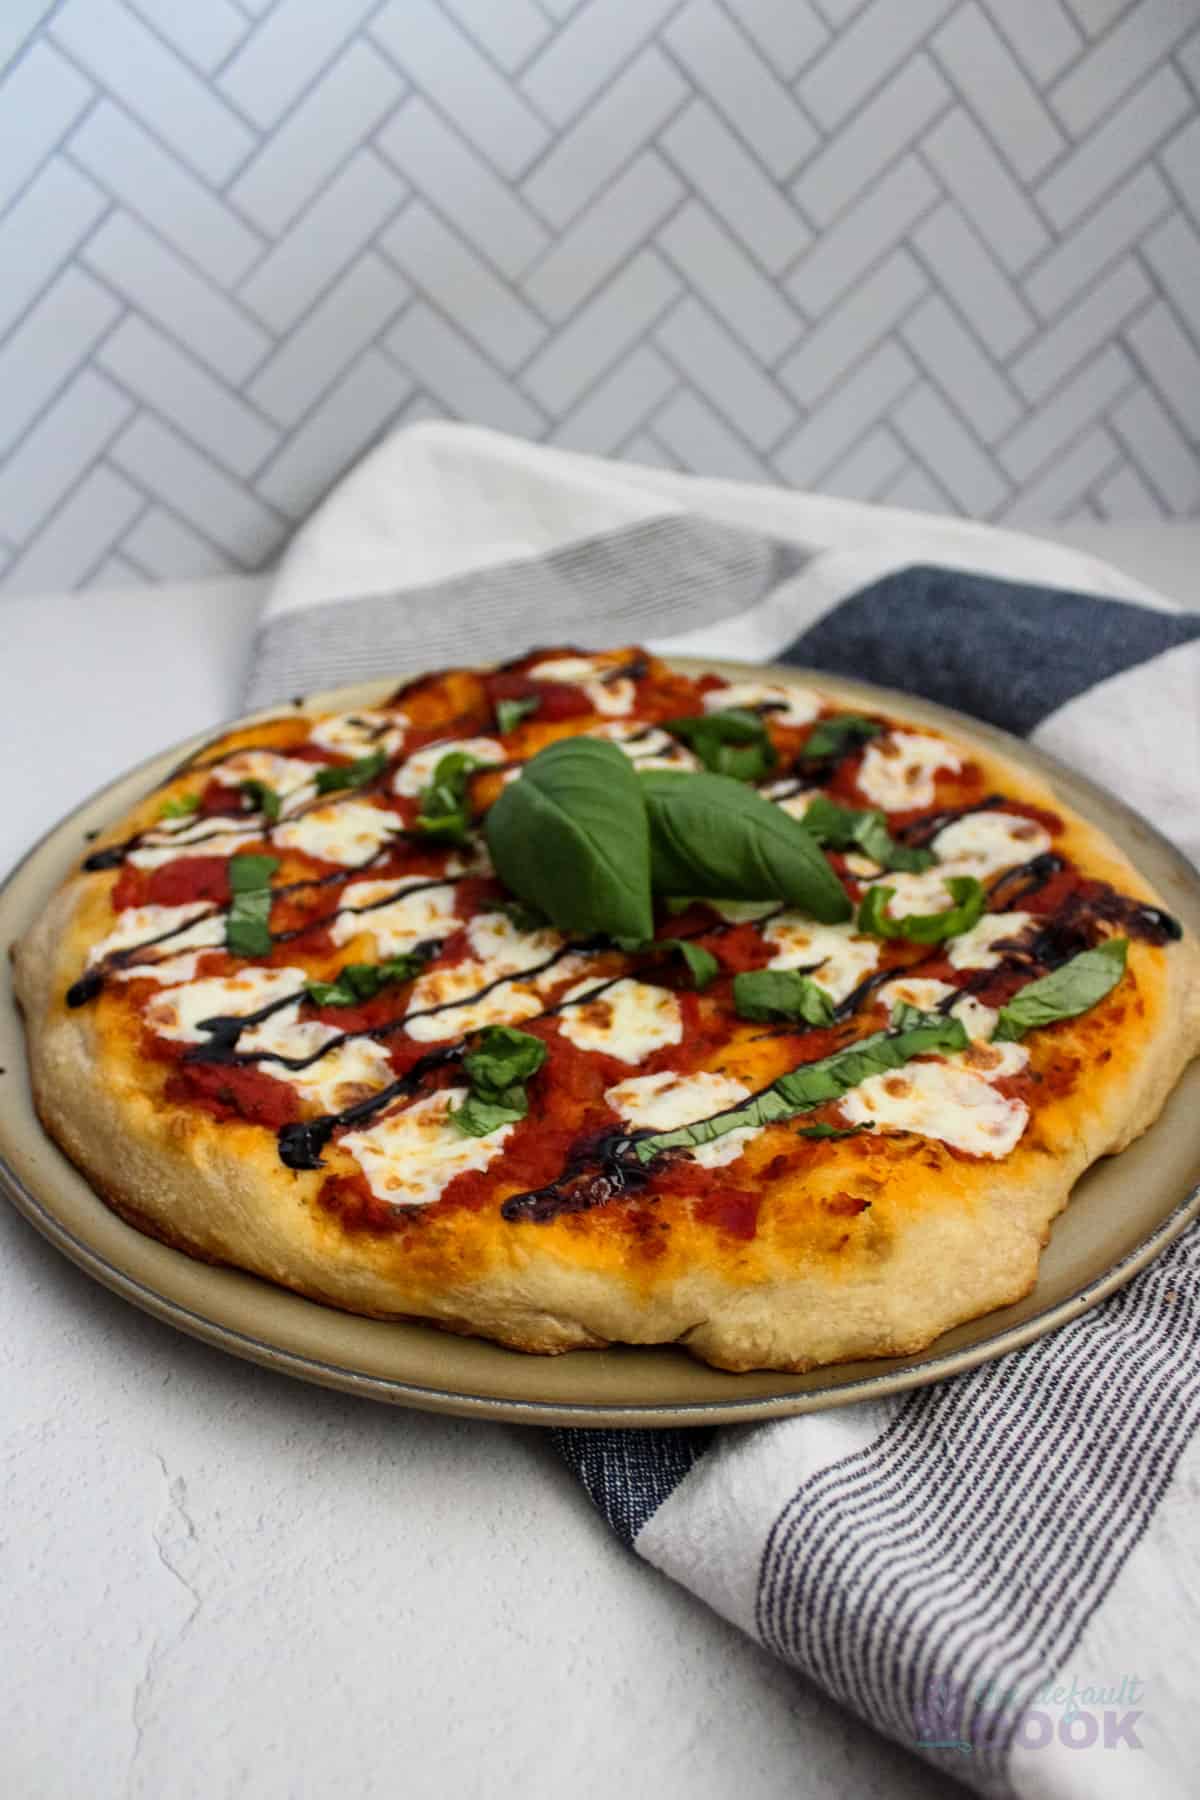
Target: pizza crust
[[942, 1240]]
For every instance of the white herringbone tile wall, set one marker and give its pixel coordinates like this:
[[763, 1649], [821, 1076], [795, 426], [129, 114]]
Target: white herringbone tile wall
[[939, 252]]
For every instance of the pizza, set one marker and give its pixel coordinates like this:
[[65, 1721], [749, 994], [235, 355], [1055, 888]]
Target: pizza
[[585, 1001]]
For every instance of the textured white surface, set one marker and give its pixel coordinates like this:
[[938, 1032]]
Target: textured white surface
[[219, 1582]]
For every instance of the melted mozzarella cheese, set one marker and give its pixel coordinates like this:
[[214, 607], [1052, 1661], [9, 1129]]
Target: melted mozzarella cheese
[[983, 843], [418, 770], [612, 698], [795, 805], [294, 781], [836, 958], [193, 837], [916, 894], [661, 1102], [350, 1073], [359, 733], [978, 1021], [349, 832], [410, 1157], [145, 925], [786, 705], [646, 746], [941, 1100], [973, 949], [502, 954], [393, 917], [177, 1013], [629, 1020], [897, 770]]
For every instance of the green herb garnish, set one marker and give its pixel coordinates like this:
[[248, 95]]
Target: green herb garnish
[[351, 775], [497, 1069], [969, 899], [847, 828], [822, 1130], [734, 742], [770, 994], [248, 921], [1065, 993], [362, 981], [181, 807], [834, 737], [509, 713], [262, 799], [444, 808], [701, 964]]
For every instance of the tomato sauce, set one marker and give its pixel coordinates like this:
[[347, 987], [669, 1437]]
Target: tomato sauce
[[234, 1091]]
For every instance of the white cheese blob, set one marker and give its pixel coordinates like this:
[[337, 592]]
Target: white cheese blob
[[983, 843], [786, 705], [661, 1102], [410, 1157], [915, 894], [629, 1020], [646, 745], [612, 698], [834, 955], [394, 917], [417, 771], [943, 1100], [294, 781], [177, 1012], [192, 837], [356, 1069], [897, 770], [467, 991], [978, 1021], [349, 832], [143, 925], [359, 733], [973, 949]]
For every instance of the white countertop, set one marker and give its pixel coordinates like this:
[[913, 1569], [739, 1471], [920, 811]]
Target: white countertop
[[222, 1582]]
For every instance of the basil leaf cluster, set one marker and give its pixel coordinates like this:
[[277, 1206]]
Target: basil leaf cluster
[[911, 1033], [248, 921], [357, 774], [733, 742], [262, 799], [1066, 992], [830, 738], [848, 828], [924, 928], [499, 1066], [181, 807], [357, 982], [509, 713], [444, 806], [771, 994]]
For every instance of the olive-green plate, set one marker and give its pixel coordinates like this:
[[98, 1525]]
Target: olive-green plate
[[1122, 1214]]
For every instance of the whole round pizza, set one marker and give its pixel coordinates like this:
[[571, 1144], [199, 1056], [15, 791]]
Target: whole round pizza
[[583, 1001]]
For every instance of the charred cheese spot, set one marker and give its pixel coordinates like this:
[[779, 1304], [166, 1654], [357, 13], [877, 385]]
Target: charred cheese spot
[[837, 958], [941, 1100], [629, 1020], [410, 1157]]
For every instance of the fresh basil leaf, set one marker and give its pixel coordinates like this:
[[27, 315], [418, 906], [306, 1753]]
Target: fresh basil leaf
[[571, 837], [822, 1130], [702, 965], [262, 799], [1065, 993], [351, 775], [477, 1116], [181, 807], [509, 713], [362, 981], [712, 836], [767, 994], [834, 737], [846, 828], [924, 928], [248, 921], [813, 1083], [733, 742], [445, 805], [502, 1058]]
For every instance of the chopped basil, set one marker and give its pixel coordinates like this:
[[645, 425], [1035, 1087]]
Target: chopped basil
[[733, 742], [444, 808], [768, 994], [179, 808], [362, 981], [834, 737], [262, 799], [912, 1033], [248, 921], [924, 928], [846, 828], [571, 837], [498, 1068], [1065, 993], [351, 775], [822, 1130], [710, 836], [701, 964], [509, 713]]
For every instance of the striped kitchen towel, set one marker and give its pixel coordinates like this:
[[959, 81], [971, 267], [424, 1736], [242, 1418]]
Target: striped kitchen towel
[[1003, 1571]]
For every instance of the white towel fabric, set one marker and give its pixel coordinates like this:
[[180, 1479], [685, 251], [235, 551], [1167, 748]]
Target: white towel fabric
[[1002, 1572]]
